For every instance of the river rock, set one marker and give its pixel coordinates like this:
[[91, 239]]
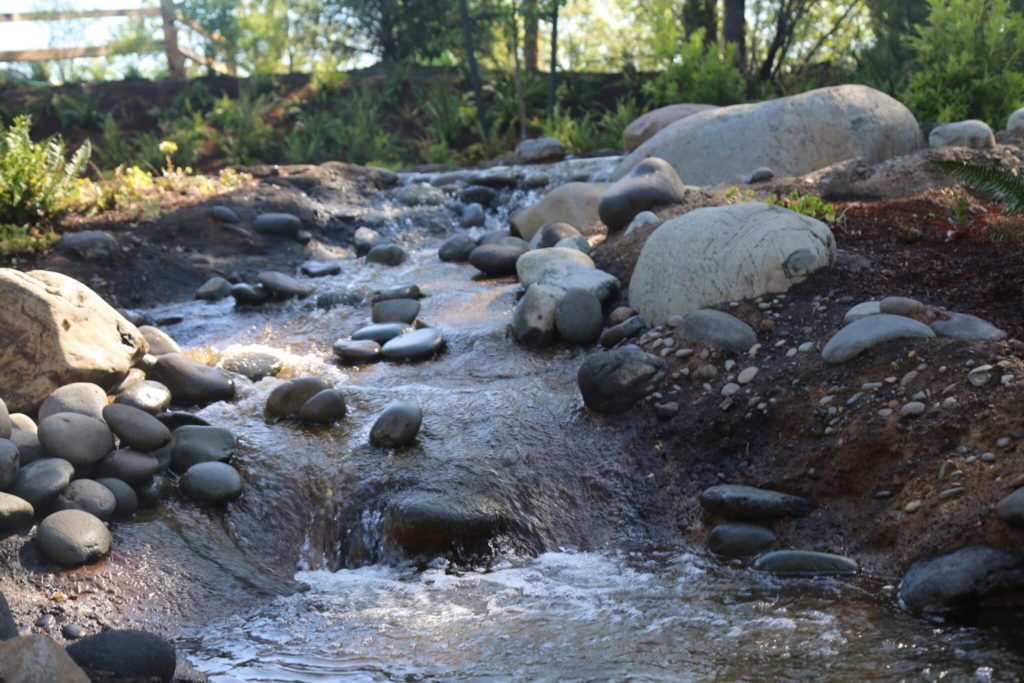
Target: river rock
[[365, 351], [551, 234], [129, 466], [627, 328], [804, 563], [397, 292], [472, 216], [15, 512], [1011, 509], [159, 341], [224, 214], [10, 461], [966, 327], [739, 539], [397, 425], [498, 178], [211, 482], [214, 289], [89, 496], [961, 579], [395, 311], [252, 363], [34, 659], [530, 265], [645, 127], [539, 150], [578, 242], [650, 184], [748, 502], [866, 333], [246, 294], [72, 537], [5, 421], [718, 329], [136, 428], [191, 381], [419, 195], [89, 245], [148, 395], [364, 239], [8, 629], [283, 285], [172, 419], [84, 398], [792, 135], [572, 203], [429, 524], [863, 310], [578, 317], [457, 248], [79, 439], [42, 481], [126, 501], [287, 398], [320, 268], [1015, 122], [726, 253], [23, 422], [613, 381], [902, 305], [642, 220], [286, 224], [533, 321], [194, 444], [500, 237], [386, 254], [970, 133], [412, 346], [153, 490], [29, 448], [381, 332], [566, 275], [478, 194], [323, 407], [125, 655], [496, 259]]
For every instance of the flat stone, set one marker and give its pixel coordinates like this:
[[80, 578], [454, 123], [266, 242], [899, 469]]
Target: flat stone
[[254, 364], [126, 655], [386, 254], [136, 428], [287, 398], [540, 150], [457, 248], [286, 224], [419, 195], [496, 259], [395, 310], [246, 294], [381, 332], [129, 466], [89, 496], [89, 245], [961, 579], [967, 328], [126, 501], [748, 502], [214, 289], [192, 382], [34, 659], [284, 285], [805, 563], [1011, 509], [570, 275], [365, 351], [397, 425], [148, 395], [159, 341], [866, 333], [578, 317], [224, 214], [739, 539], [628, 328], [172, 419], [901, 305], [412, 346], [862, 310], [530, 265], [72, 537], [323, 407], [84, 398], [718, 329], [15, 512], [79, 439], [614, 381], [211, 482], [195, 444], [397, 292], [320, 268]]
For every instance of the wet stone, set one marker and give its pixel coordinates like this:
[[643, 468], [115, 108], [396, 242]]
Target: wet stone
[[287, 399], [15, 512], [578, 317], [381, 332], [614, 381], [159, 341], [148, 395], [397, 425], [211, 482], [739, 539], [395, 310], [386, 254], [323, 407], [126, 501], [246, 294], [192, 382], [136, 428], [320, 268], [283, 285], [129, 466], [72, 537], [89, 496], [804, 563], [125, 655], [397, 292], [961, 579], [472, 216], [366, 239], [191, 445], [173, 419], [456, 249], [84, 398], [413, 346], [79, 439], [252, 364], [365, 351], [10, 461], [496, 259], [748, 502]]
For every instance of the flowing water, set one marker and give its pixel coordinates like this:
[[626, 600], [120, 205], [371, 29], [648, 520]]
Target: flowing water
[[587, 579]]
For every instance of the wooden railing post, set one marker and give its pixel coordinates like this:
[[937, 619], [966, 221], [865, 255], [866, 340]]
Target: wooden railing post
[[175, 62]]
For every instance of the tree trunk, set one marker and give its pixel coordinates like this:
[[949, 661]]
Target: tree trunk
[[474, 72], [517, 80], [554, 60], [701, 14], [734, 29], [531, 21]]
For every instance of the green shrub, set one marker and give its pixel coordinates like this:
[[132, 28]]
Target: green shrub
[[701, 75], [970, 62], [35, 177], [244, 136]]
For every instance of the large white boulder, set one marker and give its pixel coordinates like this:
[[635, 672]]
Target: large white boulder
[[723, 253], [970, 133], [791, 135], [644, 127], [54, 331]]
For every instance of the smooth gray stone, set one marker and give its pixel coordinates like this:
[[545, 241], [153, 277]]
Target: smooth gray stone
[[277, 224], [8, 629], [533, 321], [614, 381], [126, 501], [29, 448], [148, 395], [320, 268], [397, 425], [84, 398], [748, 502], [15, 512], [323, 407], [419, 195], [364, 351], [627, 328], [395, 310], [173, 419], [472, 215], [496, 259], [126, 655], [23, 422], [497, 179], [89, 496], [153, 490], [651, 183], [478, 194], [195, 444], [211, 482], [967, 328], [224, 214], [866, 333], [287, 398], [540, 150], [214, 289], [739, 539], [535, 181], [457, 248], [381, 332], [282, 285], [163, 455], [72, 537], [863, 310], [397, 292], [90, 245], [719, 330], [428, 524], [386, 254], [5, 421], [136, 428], [36, 658], [159, 341], [579, 243], [42, 481], [250, 295], [449, 178], [252, 364], [804, 563], [191, 381], [758, 175], [578, 317], [552, 233], [961, 579], [498, 237], [1011, 509], [77, 438], [366, 239], [10, 461], [569, 275], [412, 346], [129, 466]]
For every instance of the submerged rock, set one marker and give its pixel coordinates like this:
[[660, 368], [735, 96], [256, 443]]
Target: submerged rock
[[961, 579], [211, 482], [614, 381], [804, 563], [125, 655], [748, 502], [397, 425], [739, 539]]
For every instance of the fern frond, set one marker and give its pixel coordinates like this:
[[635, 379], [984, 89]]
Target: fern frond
[[1005, 187]]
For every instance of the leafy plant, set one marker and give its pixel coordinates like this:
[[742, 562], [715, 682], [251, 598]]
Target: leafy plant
[[700, 75], [245, 137], [1005, 187], [807, 204]]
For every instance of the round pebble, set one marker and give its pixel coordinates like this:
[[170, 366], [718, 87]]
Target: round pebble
[[71, 537], [211, 482], [77, 438], [87, 495], [397, 425]]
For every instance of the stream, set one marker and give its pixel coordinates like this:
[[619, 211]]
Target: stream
[[586, 577]]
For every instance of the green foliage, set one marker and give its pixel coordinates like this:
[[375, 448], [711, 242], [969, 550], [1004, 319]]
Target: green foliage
[[1005, 187], [701, 75], [970, 62], [243, 132], [35, 177], [807, 204]]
